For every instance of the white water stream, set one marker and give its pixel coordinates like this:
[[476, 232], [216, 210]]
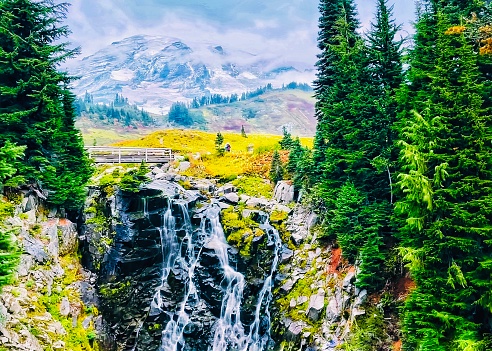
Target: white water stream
[[230, 333]]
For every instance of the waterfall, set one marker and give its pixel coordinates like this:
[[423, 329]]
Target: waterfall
[[181, 250], [230, 331], [172, 335]]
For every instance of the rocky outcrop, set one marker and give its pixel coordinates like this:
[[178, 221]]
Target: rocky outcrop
[[317, 300], [46, 307], [148, 247]]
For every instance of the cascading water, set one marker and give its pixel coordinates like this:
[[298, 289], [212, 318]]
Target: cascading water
[[189, 254]]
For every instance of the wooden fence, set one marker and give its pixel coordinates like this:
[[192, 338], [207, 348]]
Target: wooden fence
[[107, 154]]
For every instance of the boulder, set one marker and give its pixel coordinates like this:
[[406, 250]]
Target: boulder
[[284, 192], [35, 248], [281, 208], [333, 310], [316, 305], [295, 330], [348, 280], [64, 307], [232, 198], [183, 166]]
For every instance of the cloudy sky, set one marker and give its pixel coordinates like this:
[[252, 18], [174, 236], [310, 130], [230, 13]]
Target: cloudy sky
[[282, 27]]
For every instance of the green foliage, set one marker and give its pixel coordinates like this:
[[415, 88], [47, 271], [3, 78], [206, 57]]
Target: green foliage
[[253, 186], [36, 106], [446, 183], [9, 154], [134, 178], [240, 231], [276, 168], [219, 140], [180, 114]]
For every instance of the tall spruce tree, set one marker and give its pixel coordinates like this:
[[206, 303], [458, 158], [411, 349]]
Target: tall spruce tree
[[331, 12], [447, 195], [36, 107]]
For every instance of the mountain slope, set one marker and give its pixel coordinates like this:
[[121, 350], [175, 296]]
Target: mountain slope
[[155, 71]]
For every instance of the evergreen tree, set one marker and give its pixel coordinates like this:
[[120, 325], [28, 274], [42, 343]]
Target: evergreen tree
[[36, 107], [447, 188], [243, 132], [331, 13], [219, 140], [276, 168]]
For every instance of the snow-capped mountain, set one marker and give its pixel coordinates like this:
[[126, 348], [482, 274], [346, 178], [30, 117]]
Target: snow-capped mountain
[[155, 71]]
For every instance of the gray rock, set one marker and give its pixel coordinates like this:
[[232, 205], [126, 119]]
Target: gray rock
[[333, 310], [360, 298], [293, 303], [281, 208], [316, 305], [87, 322], [67, 234], [35, 248], [357, 312], [302, 299], [244, 198], [348, 280], [258, 202], [288, 285], [296, 239], [295, 330], [183, 166], [59, 345], [223, 205], [31, 203], [284, 192], [226, 189], [25, 265], [65, 307], [232, 198], [286, 255]]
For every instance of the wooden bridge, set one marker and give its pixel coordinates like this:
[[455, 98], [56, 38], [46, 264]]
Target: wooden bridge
[[108, 154]]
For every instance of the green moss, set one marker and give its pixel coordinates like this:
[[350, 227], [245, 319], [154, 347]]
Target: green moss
[[240, 231], [35, 230], [114, 290], [253, 186]]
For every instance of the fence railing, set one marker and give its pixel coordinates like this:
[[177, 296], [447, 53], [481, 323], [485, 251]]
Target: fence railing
[[108, 154]]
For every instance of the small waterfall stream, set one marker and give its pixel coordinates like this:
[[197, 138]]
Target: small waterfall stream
[[181, 246]]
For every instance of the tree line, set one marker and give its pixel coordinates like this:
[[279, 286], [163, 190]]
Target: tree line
[[118, 111], [401, 168]]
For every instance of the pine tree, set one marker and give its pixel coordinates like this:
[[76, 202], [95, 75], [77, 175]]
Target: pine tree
[[36, 107], [276, 168], [331, 13], [447, 188], [219, 140], [243, 132]]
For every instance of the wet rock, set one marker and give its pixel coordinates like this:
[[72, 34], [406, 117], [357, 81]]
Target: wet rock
[[223, 205], [287, 254], [316, 305], [258, 202]]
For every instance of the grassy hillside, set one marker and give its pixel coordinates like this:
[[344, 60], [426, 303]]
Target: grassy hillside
[[199, 148], [267, 113]]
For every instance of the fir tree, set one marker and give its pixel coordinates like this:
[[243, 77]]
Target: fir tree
[[276, 168], [331, 13], [447, 188], [36, 107], [243, 132], [219, 140]]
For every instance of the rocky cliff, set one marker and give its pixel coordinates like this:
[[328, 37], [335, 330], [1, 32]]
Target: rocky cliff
[[169, 268]]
